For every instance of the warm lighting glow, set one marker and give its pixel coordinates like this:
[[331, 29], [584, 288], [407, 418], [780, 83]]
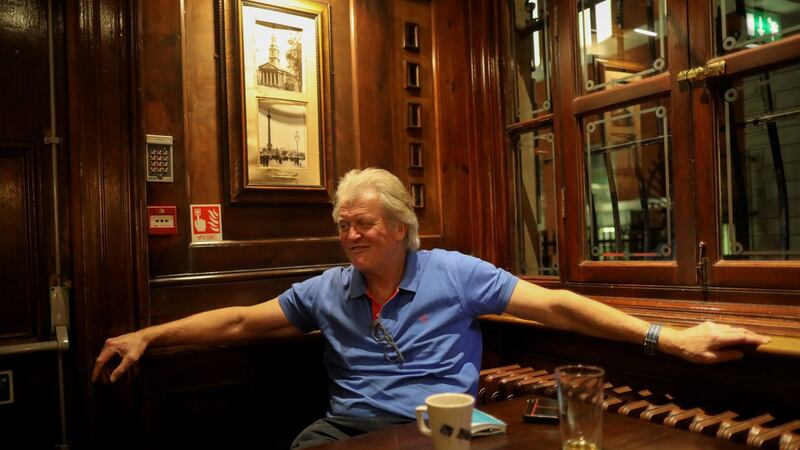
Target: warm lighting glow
[[645, 32], [602, 12], [585, 22], [537, 58]]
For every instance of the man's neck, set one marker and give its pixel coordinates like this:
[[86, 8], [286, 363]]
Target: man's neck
[[382, 285]]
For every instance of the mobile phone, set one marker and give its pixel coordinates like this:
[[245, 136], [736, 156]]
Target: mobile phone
[[541, 410]]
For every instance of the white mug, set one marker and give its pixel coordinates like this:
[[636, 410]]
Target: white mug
[[450, 418]]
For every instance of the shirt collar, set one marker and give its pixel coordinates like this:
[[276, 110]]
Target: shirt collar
[[409, 282]]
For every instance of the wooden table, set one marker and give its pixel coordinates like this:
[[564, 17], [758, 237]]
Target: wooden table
[[619, 433]]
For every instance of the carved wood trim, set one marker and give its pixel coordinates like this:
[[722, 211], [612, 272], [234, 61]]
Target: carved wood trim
[[544, 120], [657, 85], [766, 54], [105, 200], [490, 156], [238, 275]]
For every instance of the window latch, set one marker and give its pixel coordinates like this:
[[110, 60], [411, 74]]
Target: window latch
[[702, 264]]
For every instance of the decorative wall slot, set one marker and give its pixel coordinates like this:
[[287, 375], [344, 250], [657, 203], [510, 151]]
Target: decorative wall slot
[[412, 75], [411, 36], [415, 155], [414, 115], [418, 195]]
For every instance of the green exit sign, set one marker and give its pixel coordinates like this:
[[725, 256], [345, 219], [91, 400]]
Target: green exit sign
[[761, 23], [6, 387]]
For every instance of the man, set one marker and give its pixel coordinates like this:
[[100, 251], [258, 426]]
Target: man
[[401, 323]]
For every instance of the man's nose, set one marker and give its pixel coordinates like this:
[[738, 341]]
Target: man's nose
[[353, 233]]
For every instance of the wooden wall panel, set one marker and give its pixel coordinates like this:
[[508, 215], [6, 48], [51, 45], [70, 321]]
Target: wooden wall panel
[[180, 99], [462, 158], [373, 49], [27, 258], [738, 385], [267, 247], [255, 235], [28, 229], [163, 114], [21, 278], [256, 395], [420, 14], [106, 204], [173, 298]]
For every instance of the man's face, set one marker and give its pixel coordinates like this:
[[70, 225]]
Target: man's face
[[370, 240]]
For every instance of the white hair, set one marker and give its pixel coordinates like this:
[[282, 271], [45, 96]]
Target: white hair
[[393, 197]]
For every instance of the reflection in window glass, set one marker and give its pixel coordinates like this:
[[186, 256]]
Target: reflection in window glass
[[750, 23], [530, 58], [629, 203], [620, 42], [760, 166], [536, 207]]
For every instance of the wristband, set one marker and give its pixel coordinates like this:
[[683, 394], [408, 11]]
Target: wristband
[[651, 339]]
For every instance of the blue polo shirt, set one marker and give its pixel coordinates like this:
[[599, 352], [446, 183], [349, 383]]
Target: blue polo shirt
[[433, 320]]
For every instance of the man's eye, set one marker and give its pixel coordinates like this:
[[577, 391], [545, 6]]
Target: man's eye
[[343, 226]]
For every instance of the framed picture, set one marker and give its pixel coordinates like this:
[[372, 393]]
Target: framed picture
[[276, 85]]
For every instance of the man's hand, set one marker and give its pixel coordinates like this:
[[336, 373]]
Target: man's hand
[[129, 347], [709, 342]]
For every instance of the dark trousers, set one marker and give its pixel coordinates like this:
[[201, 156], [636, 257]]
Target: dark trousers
[[335, 428]]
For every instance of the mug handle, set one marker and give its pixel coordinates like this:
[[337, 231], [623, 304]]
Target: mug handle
[[423, 428]]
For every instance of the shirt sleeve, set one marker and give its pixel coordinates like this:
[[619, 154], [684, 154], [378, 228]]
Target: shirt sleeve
[[297, 304], [486, 288]]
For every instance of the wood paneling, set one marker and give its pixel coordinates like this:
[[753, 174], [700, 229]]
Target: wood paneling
[[150, 67], [369, 105], [738, 385], [488, 162], [373, 49], [21, 278], [453, 85], [420, 14], [176, 297], [28, 243], [260, 394], [107, 204], [188, 107], [267, 247]]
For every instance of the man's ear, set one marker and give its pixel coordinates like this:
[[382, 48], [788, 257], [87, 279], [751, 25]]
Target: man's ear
[[402, 229]]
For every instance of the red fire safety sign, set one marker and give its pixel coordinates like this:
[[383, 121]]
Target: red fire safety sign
[[206, 223]]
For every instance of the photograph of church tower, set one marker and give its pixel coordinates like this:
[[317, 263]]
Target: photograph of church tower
[[284, 67]]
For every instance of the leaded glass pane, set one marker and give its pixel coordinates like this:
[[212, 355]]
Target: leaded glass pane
[[629, 207], [530, 58], [750, 23], [536, 204], [760, 166], [620, 42]]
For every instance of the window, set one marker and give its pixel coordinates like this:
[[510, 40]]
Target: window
[[534, 178], [664, 157]]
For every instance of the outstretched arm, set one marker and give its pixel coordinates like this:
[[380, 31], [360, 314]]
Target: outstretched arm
[[705, 343], [220, 325]]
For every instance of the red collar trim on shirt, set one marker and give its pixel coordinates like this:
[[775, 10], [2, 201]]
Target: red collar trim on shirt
[[376, 307]]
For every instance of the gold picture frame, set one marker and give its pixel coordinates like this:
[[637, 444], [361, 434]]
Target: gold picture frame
[[275, 83]]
